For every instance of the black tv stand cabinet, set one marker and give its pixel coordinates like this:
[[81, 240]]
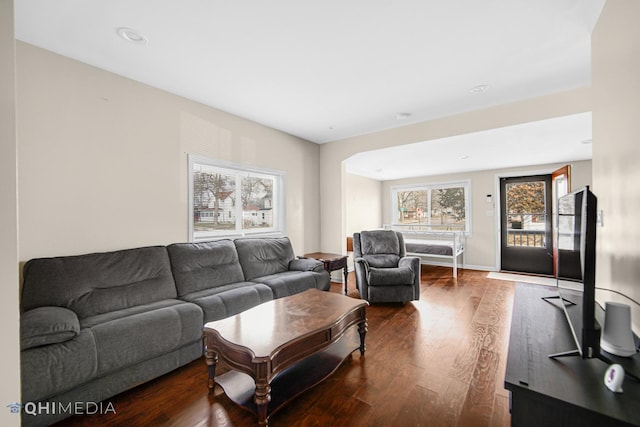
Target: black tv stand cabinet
[[558, 392]]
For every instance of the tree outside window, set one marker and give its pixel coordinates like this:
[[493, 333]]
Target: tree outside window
[[231, 199], [441, 206]]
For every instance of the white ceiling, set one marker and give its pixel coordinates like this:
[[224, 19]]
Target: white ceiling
[[328, 70], [562, 139]]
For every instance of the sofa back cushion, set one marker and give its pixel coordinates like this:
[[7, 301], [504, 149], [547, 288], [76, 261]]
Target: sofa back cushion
[[198, 266], [382, 248], [99, 283], [264, 256]]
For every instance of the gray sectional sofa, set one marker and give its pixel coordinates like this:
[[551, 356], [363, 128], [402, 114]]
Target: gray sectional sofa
[[95, 325]]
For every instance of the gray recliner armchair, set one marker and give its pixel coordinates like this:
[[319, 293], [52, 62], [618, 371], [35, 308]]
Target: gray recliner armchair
[[383, 271]]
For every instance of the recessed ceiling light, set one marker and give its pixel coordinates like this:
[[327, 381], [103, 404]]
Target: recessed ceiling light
[[131, 35], [403, 116], [587, 141], [479, 89]]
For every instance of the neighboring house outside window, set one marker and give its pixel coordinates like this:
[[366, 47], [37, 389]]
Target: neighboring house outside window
[[438, 206], [228, 199]]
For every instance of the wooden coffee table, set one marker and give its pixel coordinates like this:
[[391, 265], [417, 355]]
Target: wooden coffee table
[[281, 348]]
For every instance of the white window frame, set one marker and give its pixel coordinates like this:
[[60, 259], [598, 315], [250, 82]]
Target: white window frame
[[466, 184], [240, 170]]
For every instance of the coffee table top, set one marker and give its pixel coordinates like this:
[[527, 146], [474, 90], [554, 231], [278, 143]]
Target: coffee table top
[[265, 328]]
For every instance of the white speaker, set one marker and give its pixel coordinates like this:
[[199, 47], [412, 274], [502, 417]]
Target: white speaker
[[617, 337]]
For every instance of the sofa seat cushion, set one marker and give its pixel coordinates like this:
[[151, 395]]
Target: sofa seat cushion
[[53, 369], [224, 301], [47, 325], [293, 282], [133, 335], [390, 276]]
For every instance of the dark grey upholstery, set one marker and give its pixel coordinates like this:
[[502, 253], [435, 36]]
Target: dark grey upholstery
[[47, 325], [272, 262], [224, 301], [210, 275], [49, 370], [263, 257], [99, 283], [293, 282], [198, 266], [95, 325], [383, 271]]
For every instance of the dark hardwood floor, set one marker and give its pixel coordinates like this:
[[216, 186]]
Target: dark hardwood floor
[[439, 361]]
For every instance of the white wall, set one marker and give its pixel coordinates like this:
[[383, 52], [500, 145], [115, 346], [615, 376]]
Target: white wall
[[333, 209], [481, 246], [615, 60], [103, 160], [10, 366]]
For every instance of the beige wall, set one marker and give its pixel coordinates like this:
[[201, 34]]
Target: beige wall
[[333, 210], [364, 203], [363, 197], [482, 245], [103, 160], [10, 366], [616, 148]]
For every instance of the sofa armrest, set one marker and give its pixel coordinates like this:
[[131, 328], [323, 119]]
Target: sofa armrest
[[47, 325], [306, 264]]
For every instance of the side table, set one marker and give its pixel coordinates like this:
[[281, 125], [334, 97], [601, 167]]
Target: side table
[[331, 263]]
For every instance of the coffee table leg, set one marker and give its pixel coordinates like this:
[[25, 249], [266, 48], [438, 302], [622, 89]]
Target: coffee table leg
[[362, 330], [262, 398], [211, 357]]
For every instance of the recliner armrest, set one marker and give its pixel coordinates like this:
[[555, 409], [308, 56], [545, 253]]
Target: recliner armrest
[[410, 261], [362, 261]]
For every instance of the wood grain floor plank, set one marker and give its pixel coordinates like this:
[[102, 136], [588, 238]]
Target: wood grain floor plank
[[478, 405], [438, 361]]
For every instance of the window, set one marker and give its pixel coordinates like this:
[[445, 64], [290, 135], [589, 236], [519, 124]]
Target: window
[[228, 199], [443, 206]]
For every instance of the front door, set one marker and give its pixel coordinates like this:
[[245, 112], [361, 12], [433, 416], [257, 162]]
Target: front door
[[525, 215]]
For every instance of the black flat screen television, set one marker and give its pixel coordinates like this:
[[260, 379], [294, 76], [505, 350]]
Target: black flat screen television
[[576, 221]]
